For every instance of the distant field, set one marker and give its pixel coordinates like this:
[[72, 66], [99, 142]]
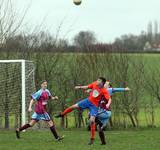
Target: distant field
[[78, 139]]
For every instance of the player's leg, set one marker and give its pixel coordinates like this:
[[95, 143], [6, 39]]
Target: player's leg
[[83, 104], [93, 112], [53, 130], [28, 125], [103, 117], [101, 135], [67, 110], [92, 127], [50, 123], [100, 123]]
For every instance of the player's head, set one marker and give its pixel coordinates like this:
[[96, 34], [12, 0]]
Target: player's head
[[101, 81], [107, 84], [44, 84]]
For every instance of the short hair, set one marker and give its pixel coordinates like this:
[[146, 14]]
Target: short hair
[[43, 81], [103, 80]]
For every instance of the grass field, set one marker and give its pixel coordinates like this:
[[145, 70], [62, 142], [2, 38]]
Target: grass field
[[144, 139]]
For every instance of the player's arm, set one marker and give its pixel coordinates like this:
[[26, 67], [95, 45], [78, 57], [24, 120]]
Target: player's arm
[[81, 87], [51, 96], [90, 86], [109, 103], [31, 104], [34, 98], [120, 89], [88, 90], [54, 97], [127, 89], [107, 97]]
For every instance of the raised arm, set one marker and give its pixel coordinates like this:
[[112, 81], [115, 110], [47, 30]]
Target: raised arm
[[120, 89], [81, 87], [90, 86], [127, 89]]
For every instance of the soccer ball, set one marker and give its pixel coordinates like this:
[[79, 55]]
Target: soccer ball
[[77, 2]]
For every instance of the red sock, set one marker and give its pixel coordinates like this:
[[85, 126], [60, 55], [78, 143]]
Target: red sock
[[92, 131], [66, 111]]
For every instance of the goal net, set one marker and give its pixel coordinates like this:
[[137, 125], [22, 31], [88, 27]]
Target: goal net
[[16, 86]]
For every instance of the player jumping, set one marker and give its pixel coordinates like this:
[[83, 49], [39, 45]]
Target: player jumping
[[40, 98], [91, 102], [104, 113]]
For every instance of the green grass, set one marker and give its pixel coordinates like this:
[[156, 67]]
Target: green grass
[[77, 140], [145, 118]]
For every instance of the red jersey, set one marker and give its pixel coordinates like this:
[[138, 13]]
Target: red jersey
[[103, 104], [41, 97], [97, 93]]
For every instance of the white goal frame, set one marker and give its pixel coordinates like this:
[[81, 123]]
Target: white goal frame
[[23, 84]]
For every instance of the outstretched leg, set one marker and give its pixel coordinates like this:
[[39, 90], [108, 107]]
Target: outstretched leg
[[68, 110], [28, 125]]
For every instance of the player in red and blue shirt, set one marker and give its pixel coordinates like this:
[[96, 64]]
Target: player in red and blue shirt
[[104, 113], [91, 102], [40, 98]]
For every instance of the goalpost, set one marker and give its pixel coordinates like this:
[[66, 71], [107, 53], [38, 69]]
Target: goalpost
[[16, 85]]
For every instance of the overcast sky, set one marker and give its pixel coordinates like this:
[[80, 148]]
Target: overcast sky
[[107, 18]]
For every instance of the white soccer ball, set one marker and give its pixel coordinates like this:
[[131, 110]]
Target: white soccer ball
[[77, 2]]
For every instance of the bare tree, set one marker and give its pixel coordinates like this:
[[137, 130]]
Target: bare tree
[[84, 38], [9, 22], [152, 87], [153, 80], [132, 72]]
